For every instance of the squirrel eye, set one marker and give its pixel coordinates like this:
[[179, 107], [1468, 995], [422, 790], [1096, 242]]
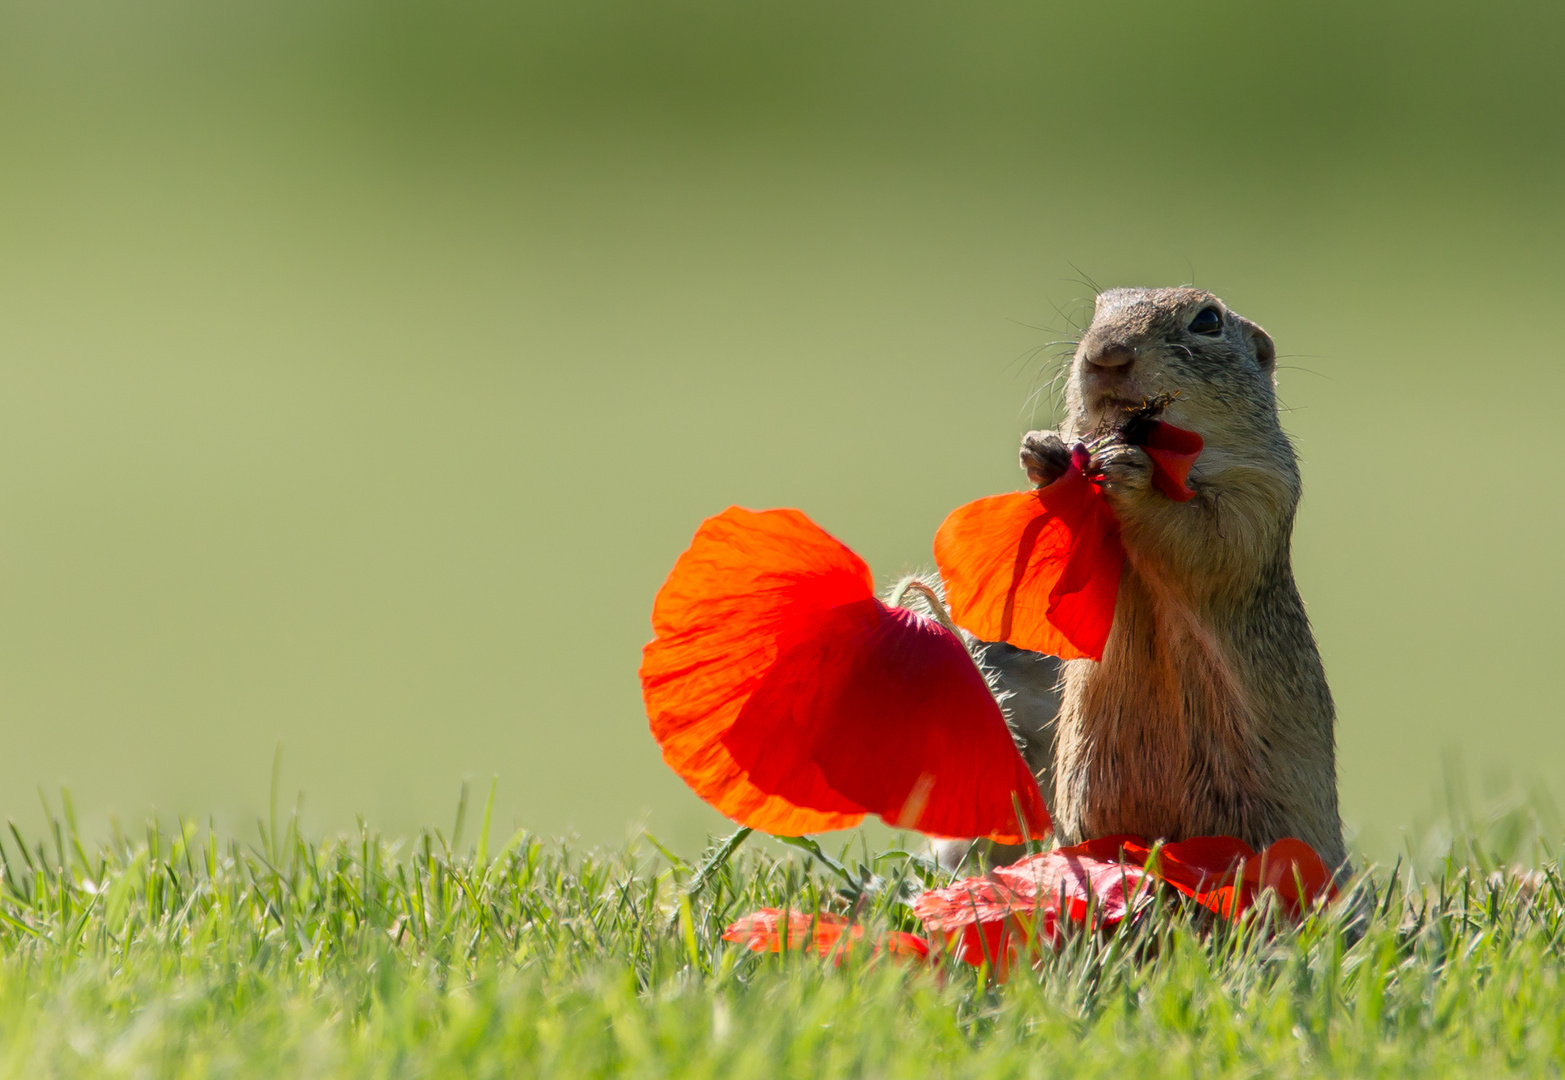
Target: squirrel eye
[[1207, 321]]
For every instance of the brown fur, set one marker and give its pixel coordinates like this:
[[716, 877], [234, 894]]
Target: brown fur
[[1209, 713]]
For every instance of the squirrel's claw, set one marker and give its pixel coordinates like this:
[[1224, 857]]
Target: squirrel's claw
[[1122, 468], [1045, 457]]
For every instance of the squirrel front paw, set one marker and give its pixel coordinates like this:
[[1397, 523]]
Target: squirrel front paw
[[1122, 469], [1045, 457]]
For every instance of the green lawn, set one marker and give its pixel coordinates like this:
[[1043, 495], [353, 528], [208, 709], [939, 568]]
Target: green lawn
[[175, 952]]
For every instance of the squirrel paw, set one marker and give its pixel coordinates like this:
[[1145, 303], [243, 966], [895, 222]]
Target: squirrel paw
[[1123, 469], [1045, 457]]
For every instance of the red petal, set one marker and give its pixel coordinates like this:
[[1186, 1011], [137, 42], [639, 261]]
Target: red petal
[[994, 918], [1077, 885], [794, 701], [1120, 847], [1173, 451], [763, 930], [747, 583], [1208, 870], [995, 943], [1224, 873], [904, 945], [1039, 569], [984, 922], [1292, 867], [1021, 906], [1205, 868], [899, 720], [1202, 858], [970, 901]]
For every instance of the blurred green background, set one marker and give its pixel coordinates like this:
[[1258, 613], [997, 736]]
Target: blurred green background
[[365, 366]]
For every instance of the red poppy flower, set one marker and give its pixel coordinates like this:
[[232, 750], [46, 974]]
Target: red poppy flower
[[1040, 569], [765, 930], [794, 701]]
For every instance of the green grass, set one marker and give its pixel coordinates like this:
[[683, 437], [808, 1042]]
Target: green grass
[[177, 952]]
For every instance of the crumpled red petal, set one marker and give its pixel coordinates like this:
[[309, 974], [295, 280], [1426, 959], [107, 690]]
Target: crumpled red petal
[[792, 700], [984, 922], [1039, 569], [1022, 906], [1079, 885]]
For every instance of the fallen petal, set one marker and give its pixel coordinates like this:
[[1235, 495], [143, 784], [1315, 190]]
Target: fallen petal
[[767, 930], [1291, 867], [1077, 885]]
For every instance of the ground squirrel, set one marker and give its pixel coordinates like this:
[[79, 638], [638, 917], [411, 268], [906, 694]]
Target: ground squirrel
[[1209, 713]]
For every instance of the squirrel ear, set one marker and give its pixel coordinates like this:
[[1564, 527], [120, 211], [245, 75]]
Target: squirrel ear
[[1260, 341]]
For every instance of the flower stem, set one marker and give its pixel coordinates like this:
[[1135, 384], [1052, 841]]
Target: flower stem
[[912, 584]]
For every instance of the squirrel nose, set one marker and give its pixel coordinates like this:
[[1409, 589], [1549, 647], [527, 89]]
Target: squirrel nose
[[1111, 356]]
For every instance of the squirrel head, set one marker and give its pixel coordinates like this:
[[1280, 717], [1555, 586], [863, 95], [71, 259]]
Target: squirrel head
[[1220, 367]]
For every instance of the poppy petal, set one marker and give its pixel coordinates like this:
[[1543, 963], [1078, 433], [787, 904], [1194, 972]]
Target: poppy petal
[[1226, 875], [1222, 873], [794, 701], [1119, 847], [1291, 867], [1208, 869], [995, 942], [969, 901], [764, 930], [1039, 569], [748, 583], [1077, 885], [984, 922], [897, 717], [772, 930], [990, 919], [902, 944], [1173, 451]]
